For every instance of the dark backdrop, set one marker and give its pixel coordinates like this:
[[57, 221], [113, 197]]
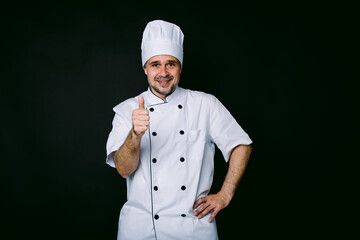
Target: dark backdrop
[[280, 68]]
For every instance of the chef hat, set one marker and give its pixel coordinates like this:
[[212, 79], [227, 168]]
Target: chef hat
[[162, 38]]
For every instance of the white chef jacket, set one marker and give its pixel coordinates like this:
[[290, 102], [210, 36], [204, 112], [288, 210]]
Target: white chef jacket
[[176, 163]]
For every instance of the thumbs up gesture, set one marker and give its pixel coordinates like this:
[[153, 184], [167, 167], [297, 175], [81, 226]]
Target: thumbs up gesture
[[140, 118]]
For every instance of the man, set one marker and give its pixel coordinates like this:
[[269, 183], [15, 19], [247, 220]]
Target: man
[[163, 143]]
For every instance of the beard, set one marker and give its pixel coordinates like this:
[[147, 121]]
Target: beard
[[163, 92]]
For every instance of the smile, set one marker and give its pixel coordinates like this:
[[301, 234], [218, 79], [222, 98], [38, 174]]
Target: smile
[[163, 82]]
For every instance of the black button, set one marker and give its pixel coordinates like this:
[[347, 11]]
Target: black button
[[179, 106], [182, 159], [156, 188], [183, 215], [183, 188], [156, 217], [151, 109], [182, 132], [154, 134], [154, 160]]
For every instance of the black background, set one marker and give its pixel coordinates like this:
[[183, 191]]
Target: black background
[[282, 69]]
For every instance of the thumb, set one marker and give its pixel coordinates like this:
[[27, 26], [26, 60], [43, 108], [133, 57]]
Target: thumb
[[141, 102]]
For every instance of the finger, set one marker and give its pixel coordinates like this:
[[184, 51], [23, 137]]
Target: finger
[[141, 102], [201, 209], [213, 215], [141, 117], [198, 202], [205, 212], [140, 112], [138, 123]]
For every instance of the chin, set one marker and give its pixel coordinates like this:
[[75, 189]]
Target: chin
[[166, 91]]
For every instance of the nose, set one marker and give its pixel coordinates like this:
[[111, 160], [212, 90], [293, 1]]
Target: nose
[[163, 71]]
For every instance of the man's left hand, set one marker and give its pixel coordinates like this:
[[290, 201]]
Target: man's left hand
[[211, 203]]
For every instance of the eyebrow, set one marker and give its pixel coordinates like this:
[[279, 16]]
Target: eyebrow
[[158, 62], [154, 62], [171, 61]]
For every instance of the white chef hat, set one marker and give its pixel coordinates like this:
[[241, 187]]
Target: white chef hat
[[162, 38]]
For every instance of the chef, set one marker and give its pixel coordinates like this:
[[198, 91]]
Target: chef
[[163, 143]]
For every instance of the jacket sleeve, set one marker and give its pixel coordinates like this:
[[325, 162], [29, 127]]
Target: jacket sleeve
[[117, 136], [225, 132]]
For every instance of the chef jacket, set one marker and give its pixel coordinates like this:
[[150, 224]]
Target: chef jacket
[[176, 164]]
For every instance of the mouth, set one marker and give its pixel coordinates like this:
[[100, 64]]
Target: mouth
[[164, 82]]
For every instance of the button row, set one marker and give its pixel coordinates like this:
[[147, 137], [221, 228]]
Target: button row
[[152, 109], [181, 132], [154, 160], [157, 188], [157, 216]]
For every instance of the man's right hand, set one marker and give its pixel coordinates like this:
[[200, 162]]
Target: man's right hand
[[140, 118]]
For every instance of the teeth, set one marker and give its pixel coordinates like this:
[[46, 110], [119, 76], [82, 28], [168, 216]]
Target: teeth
[[164, 79]]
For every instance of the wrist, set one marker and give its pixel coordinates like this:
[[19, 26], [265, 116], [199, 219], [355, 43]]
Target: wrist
[[227, 193], [135, 135]]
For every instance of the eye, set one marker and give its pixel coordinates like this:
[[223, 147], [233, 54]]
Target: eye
[[155, 65]]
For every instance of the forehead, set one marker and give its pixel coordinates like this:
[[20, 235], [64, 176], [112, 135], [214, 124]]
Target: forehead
[[163, 58]]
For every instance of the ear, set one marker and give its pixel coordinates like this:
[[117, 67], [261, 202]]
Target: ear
[[145, 70]]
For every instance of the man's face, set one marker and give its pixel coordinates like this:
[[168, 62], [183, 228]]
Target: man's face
[[163, 74]]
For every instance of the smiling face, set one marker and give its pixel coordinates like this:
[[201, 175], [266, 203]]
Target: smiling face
[[163, 74]]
